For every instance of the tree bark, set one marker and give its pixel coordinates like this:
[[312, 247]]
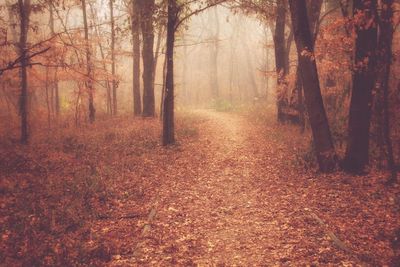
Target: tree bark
[[385, 60], [313, 13], [24, 7], [280, 55], [357, 149], [146, 21], [318, 120], [168, 137], [89, 82], [137, 102]]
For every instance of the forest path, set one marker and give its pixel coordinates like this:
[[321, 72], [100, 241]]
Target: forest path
[[229, 211]]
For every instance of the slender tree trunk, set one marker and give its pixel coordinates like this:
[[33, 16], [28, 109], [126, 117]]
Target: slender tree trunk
[[214, 52], [168, 114], [363, 82], [146, 21], [55, 81], [164, 75], [250, 70], [48, 99], [89, 82], [137, 102], [184, 71], [24, 7], [56, 93], [280, 55], [114, 82], [160, 34], [103, 57], [319, 123]]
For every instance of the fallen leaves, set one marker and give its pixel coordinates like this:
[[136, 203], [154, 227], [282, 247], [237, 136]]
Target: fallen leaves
[[229, 194]]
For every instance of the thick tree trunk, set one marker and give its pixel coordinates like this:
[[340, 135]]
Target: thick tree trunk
[[168, 114], [280, 55], [137, 102], [385, 60], [363, 82], [24, 7], [146, 21], [114, 82], [313, 13], [89, 82], [319, 123]]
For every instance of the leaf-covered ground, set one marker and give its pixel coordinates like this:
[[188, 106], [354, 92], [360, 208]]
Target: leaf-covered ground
[[230, 193]]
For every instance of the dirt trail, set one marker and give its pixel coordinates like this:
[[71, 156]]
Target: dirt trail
[[232, 197], [221, 215]]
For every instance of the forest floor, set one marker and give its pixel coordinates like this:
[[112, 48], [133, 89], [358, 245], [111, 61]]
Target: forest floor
[[231, 193]]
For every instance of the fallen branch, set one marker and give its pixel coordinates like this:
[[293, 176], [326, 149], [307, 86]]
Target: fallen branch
[[108, 217], [340, 244], [147, 226]]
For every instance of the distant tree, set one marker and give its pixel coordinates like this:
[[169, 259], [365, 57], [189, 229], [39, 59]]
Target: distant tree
[[318, 120], [365, 17], [114, 81], [214, 28]]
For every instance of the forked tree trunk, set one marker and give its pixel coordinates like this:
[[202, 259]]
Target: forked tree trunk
[[137, 102], [168, 113], [89, 82], [24, 7], [357, 149], [318, 120]]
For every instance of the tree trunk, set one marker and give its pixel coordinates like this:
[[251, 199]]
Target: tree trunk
[[280, 55], [89, 82], [168, 114], [146, 21], [114, 82], [313, 13], [250, 70], [319, 123], [385, 60], [185, 96], [24, 7], [214, 51], [137, 102], [363, 82], [55, 81], [103, 57]]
